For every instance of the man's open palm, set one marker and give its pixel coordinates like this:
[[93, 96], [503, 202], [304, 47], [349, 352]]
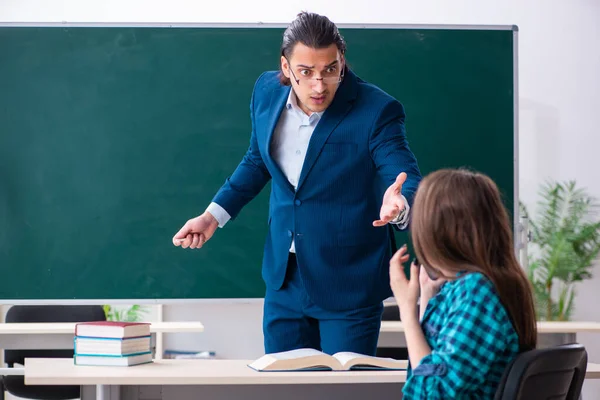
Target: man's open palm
[[393, 202]]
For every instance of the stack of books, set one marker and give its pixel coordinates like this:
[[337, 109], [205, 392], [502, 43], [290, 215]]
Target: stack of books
[[112, 343]]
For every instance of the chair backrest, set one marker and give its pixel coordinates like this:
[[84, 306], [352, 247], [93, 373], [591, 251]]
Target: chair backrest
[[48, 314], [551, 373], [390, 313]]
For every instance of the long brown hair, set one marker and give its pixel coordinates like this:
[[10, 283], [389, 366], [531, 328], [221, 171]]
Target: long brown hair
[[460, 224]]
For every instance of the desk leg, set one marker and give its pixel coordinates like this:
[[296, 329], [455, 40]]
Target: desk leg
[[108, 392], [102, 392]]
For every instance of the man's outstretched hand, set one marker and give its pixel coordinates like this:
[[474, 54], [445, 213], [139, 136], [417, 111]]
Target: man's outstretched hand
[[393, 202]]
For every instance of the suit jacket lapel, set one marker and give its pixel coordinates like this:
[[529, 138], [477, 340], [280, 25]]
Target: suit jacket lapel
[[334, 114]]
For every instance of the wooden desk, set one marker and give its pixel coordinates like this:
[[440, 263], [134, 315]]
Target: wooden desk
[[222, 379], [59, 335], [212, 379], [44, 328], [550, 333], [49, 335], [57, 371], [544, 327]]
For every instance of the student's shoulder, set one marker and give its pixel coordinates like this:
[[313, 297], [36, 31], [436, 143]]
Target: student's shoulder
[[474, 286]]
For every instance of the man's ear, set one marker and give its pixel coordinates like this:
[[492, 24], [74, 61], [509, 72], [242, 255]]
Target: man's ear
[[285, 67]]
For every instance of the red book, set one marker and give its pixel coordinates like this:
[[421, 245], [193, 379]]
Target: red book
[[112, 329]]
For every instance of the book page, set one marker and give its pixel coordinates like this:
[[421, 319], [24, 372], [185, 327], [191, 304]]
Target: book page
[[349, 360], [299, 353], [345, 357], [300, 359]]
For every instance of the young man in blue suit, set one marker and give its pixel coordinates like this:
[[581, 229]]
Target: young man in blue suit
[[331, 143]]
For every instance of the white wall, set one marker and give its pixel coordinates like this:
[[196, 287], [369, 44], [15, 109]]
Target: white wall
[[559, 69]]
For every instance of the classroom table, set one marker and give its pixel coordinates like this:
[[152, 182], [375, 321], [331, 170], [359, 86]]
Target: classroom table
[[550, 333], [219, 379], [59, 335]]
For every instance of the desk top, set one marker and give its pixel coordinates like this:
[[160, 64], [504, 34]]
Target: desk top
[[543, 327], [62, 371], [31, 328]]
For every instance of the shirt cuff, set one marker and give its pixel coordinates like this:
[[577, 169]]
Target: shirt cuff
[[402, 219], [431, 365], [219, 213]]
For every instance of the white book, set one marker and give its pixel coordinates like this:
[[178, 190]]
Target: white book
[[111, 346], [311, 359], [119, 361]]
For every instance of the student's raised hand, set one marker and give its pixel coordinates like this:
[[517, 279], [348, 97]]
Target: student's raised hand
[[393, 202], [196, 231], [405, 291]]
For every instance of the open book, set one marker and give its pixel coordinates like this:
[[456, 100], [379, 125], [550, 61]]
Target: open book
[[311, 359]]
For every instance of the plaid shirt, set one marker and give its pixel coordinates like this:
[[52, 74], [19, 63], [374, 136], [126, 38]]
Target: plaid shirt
[[472, 341]]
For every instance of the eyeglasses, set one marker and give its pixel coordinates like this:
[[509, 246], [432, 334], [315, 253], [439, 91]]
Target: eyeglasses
[[328, 79]]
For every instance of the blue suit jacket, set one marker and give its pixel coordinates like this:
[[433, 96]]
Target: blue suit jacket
[[356, 151]]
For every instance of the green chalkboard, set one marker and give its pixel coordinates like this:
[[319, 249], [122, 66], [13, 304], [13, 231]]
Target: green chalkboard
[[112, 137]]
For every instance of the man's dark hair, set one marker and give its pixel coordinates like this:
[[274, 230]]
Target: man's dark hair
[[312, 30]]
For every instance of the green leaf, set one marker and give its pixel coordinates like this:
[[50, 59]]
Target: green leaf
[[134, 313], [565, 244]]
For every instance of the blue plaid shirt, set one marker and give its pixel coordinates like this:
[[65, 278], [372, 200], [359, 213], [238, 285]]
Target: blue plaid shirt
[[472, 341]]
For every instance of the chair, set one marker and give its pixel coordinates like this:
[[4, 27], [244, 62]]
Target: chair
[[551, 373], [15, 384], [392, 313]]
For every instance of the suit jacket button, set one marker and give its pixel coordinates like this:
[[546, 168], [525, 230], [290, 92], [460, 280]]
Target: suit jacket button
[[297, 202], [289, 233]]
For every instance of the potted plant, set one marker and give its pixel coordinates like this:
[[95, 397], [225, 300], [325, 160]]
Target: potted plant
[[565, 242], [135, 313]]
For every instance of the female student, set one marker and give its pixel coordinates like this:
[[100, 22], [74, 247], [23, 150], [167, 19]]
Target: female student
[[476, 313]]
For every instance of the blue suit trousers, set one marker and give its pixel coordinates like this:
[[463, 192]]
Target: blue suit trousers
[[291, 321]]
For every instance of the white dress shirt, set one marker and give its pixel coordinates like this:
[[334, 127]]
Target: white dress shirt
[[288, 148]]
